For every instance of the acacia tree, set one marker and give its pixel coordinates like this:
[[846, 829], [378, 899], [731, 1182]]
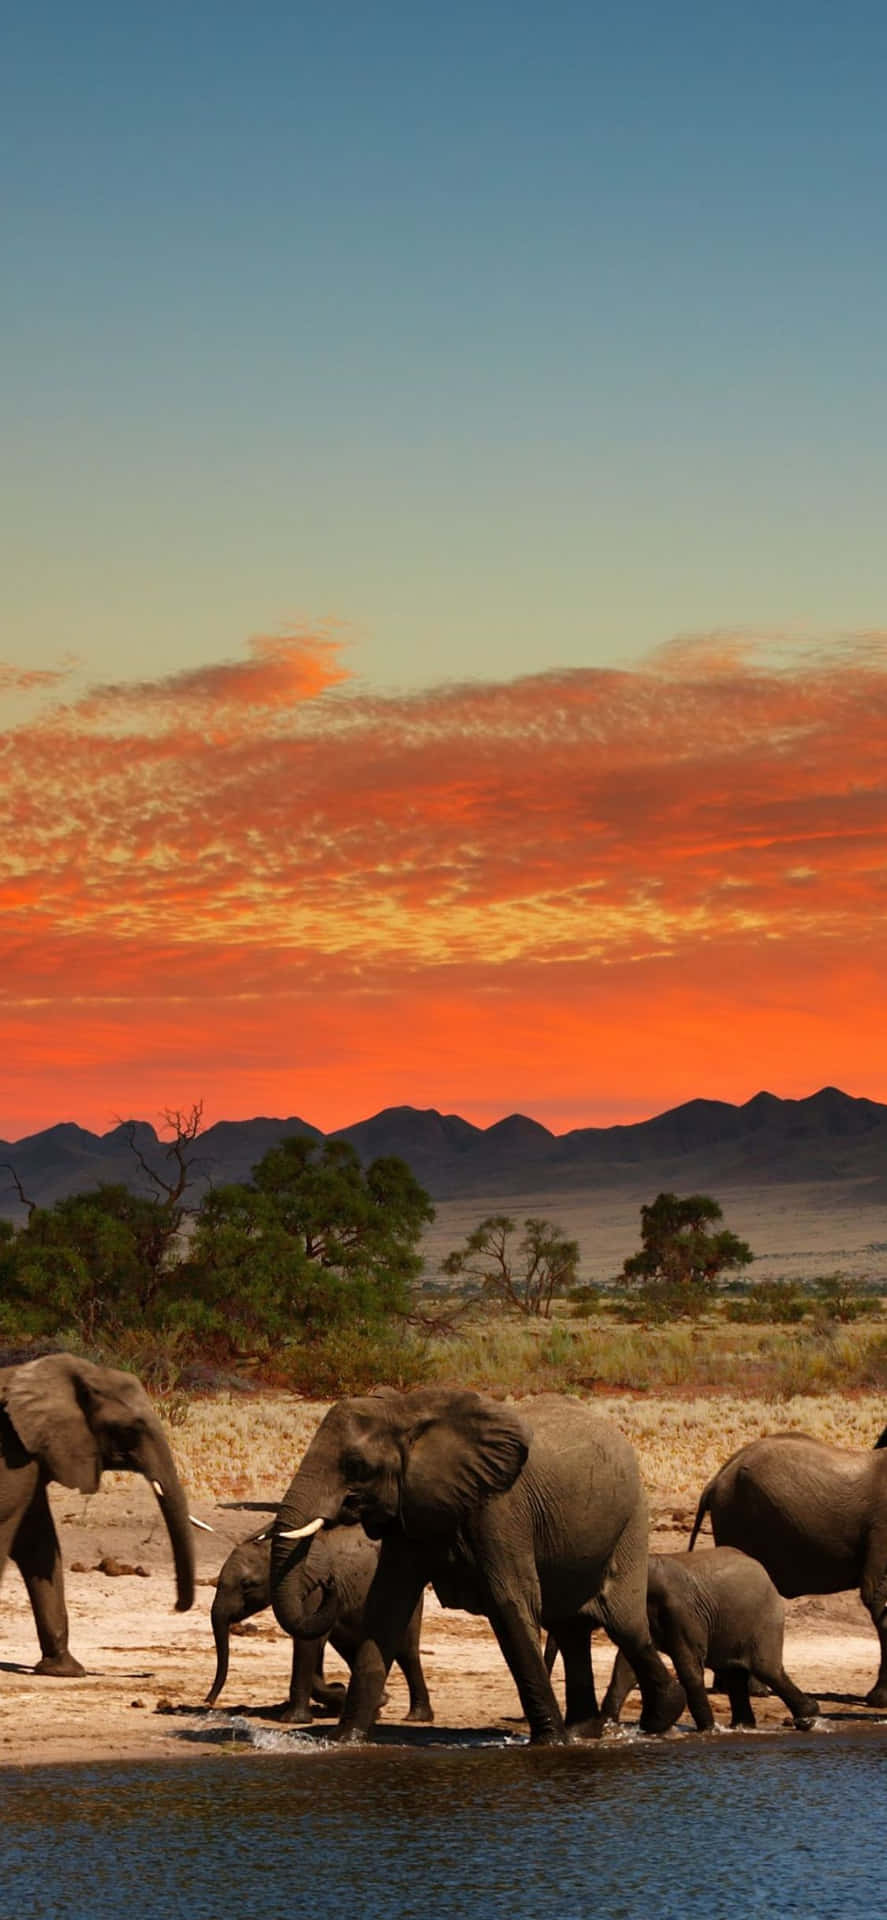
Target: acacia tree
[[526, 1276], [680, 1250], [314, 1241]]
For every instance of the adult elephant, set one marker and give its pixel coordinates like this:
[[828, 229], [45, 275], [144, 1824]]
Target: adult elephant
[[537, 1520], [65, 1419], [814, 1514]]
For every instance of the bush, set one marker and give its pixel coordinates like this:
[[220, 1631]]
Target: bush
[[355, 1360], [662, 1300], [770, 1302], [836, 1300], [584, 1301]]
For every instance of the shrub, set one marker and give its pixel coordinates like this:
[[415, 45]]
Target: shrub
[[770, 1302], [836, 1300]]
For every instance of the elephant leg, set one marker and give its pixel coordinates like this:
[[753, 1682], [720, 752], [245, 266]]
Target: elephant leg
[[720, 1683], [296, 1711], [736, 1686], [328, 1694], [622, 1679], [874, 1597], [518, 1635], [623, 1612], [877, 1696], [36, 1552], [409, 1661], [691, 1673], [395, 1592], [802, 1706], [572, 1638], [513, 1604]]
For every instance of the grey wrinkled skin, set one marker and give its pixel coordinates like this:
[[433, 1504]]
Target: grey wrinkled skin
[[718, 1609], [328, 1602], [62, 1418], [535, 1520], [815, 1516]]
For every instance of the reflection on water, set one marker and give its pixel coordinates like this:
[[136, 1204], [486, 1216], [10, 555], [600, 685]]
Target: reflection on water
[[717, 1827]]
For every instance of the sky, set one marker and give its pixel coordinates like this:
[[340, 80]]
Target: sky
[[444, 646]]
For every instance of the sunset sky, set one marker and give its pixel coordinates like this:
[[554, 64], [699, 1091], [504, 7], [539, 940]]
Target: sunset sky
[[444, 654]]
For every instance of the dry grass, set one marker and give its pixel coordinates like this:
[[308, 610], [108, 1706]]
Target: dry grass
[[238, 1446]]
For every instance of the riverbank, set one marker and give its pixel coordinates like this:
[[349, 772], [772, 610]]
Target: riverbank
[[148, 1668]]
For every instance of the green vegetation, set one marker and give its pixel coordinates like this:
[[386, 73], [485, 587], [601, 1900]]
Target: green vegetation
[[305, 1277], [526, 1277], [681, 1259], [315, 1256]]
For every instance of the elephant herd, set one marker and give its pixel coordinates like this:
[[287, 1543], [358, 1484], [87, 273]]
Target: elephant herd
[[536, 1519]]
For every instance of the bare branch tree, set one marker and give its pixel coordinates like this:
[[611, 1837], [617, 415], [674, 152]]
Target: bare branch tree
[[7, 1167], [526, 1278], [186, 1125]]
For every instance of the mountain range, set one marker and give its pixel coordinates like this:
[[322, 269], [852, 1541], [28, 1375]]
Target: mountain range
[[705, 1144]]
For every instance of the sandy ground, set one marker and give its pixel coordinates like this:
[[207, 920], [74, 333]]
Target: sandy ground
[[148, 1667]]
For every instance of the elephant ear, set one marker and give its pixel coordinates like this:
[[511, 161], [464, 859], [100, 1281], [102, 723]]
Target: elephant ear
[[457, 1455], [46, 1401]]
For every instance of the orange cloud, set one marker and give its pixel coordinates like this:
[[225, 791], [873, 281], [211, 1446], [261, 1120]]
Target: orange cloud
[[584, 893]]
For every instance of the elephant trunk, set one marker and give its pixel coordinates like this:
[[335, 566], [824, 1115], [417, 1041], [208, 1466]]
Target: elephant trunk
[[310, 1504], [221, 1623], [154, 1459], [314, 1622]]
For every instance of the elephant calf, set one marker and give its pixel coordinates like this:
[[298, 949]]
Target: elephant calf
[[334, 1581], [715, 1609]]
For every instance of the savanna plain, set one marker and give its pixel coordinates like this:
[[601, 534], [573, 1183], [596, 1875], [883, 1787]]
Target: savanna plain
[[686, 1395]]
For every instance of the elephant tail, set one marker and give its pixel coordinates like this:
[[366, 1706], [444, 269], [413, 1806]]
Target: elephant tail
[[702, 1509]]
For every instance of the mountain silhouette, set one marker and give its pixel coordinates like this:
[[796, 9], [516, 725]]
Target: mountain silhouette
[[703, 1145]]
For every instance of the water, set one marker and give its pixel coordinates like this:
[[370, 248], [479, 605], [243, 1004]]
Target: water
[[730, 1826]]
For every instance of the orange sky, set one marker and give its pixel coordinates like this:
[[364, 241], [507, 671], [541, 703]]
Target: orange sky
[[586, 895]]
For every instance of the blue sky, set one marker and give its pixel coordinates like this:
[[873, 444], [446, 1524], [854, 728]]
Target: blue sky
[[445, 656], [494, 336]]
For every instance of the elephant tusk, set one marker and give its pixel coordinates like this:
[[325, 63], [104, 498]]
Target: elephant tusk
[[157, 1489], [299, 1533], [202, 1524]]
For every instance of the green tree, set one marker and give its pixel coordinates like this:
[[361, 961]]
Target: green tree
[[313, 1242], [526, 1276], [681, 1251], [92, 1264]]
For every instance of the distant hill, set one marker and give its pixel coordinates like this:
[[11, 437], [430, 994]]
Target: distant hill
[[705, 1144]]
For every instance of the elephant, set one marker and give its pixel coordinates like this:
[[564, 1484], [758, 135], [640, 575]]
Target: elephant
[[537, 1519], [65, 1419], [814, 1514], [334, 1578], [717, 1609]]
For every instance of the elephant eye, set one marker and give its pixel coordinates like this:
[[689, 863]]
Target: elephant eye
[[357, 1467]]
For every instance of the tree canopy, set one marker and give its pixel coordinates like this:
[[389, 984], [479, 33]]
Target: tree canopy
[[680, 1249], [313, 1242]]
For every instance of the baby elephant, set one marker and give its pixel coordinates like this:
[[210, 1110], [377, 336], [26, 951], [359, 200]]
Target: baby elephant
[[335, 1576], [715, 1609]]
